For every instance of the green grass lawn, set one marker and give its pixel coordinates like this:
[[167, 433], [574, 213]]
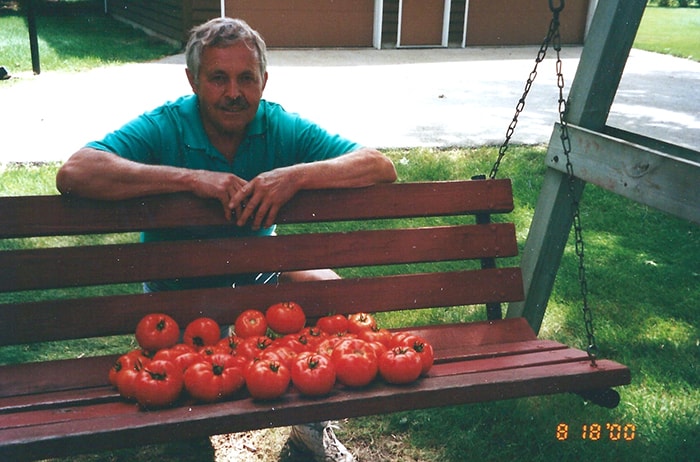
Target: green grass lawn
[[674, 31], [74, 42]]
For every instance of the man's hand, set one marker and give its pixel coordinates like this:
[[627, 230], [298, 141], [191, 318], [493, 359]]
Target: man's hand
[[221, 186], [260, 199]]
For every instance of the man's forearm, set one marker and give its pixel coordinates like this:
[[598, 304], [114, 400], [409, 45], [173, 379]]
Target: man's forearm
[[364, 167], [102, 175]]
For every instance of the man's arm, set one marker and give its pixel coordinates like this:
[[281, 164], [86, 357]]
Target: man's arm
[[102, 175], [261, 198]]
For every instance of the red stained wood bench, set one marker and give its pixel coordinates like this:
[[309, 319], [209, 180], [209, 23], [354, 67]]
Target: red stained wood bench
[[64, 407]]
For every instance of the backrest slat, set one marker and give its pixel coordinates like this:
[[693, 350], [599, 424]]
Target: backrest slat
[[58, 215], [93, 265], [102, 316]]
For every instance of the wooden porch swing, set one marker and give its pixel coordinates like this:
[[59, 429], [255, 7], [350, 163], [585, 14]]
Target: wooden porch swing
[[64, 407]]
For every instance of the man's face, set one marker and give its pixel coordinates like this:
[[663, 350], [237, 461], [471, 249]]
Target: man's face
[[229, 87]]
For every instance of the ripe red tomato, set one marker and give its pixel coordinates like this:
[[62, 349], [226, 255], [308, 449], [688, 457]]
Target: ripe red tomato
[[230, 343], [156, 331], [285, 317], [355, 362], [215, 379], [382, 336], [250, 323], [424, 350], [400, 365], [202, 332], [124, 372], [333, 324], [252, 347], [313, 374], [157, 385], [267, 379], [185, 360], [281, 353], [361, 321]]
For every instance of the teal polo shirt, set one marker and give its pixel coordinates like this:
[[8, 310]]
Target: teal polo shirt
[[173, 135]]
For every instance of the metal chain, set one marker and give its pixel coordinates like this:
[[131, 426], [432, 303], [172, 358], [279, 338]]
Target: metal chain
[[554, 37], [553, 28], [592, 348]]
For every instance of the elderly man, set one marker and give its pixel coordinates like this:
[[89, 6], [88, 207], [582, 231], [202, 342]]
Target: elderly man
[[226, 142]]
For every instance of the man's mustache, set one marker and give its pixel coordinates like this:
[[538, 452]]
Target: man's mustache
[[237, 103]]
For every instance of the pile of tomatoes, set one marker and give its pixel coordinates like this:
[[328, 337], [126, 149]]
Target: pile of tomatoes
[[265, 353]]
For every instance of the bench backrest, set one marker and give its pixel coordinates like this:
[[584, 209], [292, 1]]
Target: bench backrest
[[30, 313]]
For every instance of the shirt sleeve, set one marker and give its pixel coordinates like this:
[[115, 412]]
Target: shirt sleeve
[[139, 140]]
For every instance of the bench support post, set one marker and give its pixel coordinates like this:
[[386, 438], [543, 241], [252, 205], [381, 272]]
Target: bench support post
[[598, 75]]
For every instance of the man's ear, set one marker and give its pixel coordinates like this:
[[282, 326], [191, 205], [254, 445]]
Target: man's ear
[[264, 83], [192, 80]]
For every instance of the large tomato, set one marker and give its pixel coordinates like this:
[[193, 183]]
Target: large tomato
[[423, 348], [355, 362], [202, 332], [157, 331], [382, 336], [124, 372], [214, 379], [333, 324], [158, 384], [252, 347], [313, 374], [285, 317], [358, 322], [250, 323], [230, 343], [400, 365], [267, 379]]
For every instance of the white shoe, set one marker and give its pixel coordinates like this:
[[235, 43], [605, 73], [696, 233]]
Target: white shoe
[[319, 440]]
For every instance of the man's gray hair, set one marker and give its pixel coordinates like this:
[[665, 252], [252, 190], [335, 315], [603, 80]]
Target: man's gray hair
[[223, 32]]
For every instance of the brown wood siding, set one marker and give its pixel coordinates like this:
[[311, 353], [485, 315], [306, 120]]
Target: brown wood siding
[[508, 22], [422, 22], [308, 23], [164, 17]]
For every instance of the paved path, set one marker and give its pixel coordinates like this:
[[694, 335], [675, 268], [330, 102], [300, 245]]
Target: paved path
[[382, 98]]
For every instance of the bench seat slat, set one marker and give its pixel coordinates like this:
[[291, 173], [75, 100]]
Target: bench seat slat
[[57, 215], [76, 318], [103, 426], [61, 375], [93, 265]]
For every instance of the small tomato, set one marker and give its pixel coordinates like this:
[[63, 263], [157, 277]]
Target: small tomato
[[333, 324], [250, 323], [202, 332], [158, 384], [267, 379], [400, 365], [355, 362], [285, 317], [361, 321], [157, 331], [313, 374], [215, 379]]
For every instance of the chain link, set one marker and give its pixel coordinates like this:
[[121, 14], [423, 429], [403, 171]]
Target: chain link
[[592, 349], [521, 102], [554, 38]]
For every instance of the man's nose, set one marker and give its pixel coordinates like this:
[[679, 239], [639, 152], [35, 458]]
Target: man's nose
[[233, 90]]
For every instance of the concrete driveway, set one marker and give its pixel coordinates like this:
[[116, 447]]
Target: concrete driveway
[[382, 98]]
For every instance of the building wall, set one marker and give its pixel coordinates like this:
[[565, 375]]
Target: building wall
[[509, 22], [308, 23], [350, 23]]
